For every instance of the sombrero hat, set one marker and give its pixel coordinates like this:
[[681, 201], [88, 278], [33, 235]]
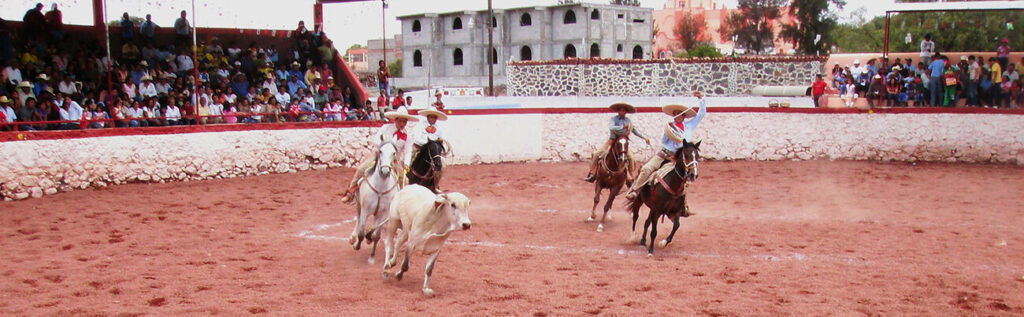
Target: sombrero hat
[[43, 77], [671, 109], [437, 93], [401, 113], [433, 111], [4, 99], [616, 106], [24, 84]]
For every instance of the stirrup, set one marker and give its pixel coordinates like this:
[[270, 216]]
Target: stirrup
[[349, 197], [590, 178], [631, 194]]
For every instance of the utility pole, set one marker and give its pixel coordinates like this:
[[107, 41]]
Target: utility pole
[[490, 49], [383, 43]]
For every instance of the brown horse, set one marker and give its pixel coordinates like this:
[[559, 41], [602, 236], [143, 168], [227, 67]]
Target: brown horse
[[611, 174], [668, 196]]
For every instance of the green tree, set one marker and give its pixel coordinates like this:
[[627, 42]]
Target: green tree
[[751, 24], [951, 31], [813, 19], [703, 50], [690, 29], [395, 68]]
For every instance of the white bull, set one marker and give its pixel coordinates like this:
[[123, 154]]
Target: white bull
[[426, 220]]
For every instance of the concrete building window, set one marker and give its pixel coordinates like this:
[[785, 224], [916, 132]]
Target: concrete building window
[[661, 54], [494, 22], [525, 53], [457, 23], [638, 20], [595, 15], [570, 51], [457, 57], [595, 50], [416, 26], [621, 16], [417, 59], [638, 52], [494, 56], [570, 17], [525, 20], [618, 48]]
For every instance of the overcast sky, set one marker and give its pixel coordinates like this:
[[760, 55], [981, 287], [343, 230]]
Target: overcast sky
[[346, 24]]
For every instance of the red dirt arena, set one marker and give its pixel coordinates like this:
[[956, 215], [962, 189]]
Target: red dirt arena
[[769, 238]]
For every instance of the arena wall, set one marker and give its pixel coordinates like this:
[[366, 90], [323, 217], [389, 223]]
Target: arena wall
[[37, 167], [718, 77]]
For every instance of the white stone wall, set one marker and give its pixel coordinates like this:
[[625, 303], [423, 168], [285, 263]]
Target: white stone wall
[[967, 138], [35, 168]]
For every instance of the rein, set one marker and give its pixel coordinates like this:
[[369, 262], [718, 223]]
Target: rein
[[622, 164], [676, 192]]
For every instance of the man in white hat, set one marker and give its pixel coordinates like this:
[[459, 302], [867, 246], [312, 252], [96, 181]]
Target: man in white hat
[[396, 133], [857, 69], [6, 114], [438, 104], [147, 89], [619, 127], [428, 130], [684, 121], [25, 91]]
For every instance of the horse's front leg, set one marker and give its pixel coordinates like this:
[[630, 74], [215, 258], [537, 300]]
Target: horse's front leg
[[597, 199], [654, 232], [675, 226], [614, 191]]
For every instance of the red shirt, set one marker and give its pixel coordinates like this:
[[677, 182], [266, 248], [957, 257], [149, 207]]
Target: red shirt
[[818, 88]]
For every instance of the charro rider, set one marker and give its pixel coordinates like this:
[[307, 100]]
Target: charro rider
[[396, 133], [428, 130], [620, 127], [684, 121]]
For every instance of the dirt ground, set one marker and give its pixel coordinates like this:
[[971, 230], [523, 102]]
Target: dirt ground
[[769, 238]]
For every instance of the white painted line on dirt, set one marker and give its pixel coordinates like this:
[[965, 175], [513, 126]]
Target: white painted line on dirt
[[309, 234]]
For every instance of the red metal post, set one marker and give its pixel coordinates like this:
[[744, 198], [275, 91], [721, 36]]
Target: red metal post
[[318, 15], [885, 37], [97, 19]]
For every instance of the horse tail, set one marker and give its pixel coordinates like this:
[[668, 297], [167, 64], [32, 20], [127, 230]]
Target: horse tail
[[633, 205]]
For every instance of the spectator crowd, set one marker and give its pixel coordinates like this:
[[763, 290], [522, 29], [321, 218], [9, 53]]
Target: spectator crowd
[[935, 80], [54, 81]]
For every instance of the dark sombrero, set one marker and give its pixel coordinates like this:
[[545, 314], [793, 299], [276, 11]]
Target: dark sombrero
[[622, 105]]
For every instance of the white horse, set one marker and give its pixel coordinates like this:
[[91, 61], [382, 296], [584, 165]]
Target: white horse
[[376, 190]]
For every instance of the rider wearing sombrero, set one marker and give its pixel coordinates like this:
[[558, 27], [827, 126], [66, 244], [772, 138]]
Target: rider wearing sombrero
[[684, 121], [620, 127], [396, 133], [428, 130]]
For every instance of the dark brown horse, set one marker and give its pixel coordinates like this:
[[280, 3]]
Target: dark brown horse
[[668, 196], [611, 174], [426, 168]]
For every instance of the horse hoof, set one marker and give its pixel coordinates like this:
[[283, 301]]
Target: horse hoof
[[384, 275], [650, 254], [398, 276], [607, 216], [662, 244], [428, 292], [370, 260], [591, 218], [600, 228]]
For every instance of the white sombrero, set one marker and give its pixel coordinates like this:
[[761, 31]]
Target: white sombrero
[[671, 109], [433, 111], [401, 113]]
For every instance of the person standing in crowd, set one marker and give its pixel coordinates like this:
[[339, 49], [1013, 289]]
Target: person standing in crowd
[[34, 22], [1003, 53], [182, 30], [996, 73], [817, 89], [382, 78], [55, 23], [927, 49], [127, 28], [935, 70], [147, 30], [438, 104]]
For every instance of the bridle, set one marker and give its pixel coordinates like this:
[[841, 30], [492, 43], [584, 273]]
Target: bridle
[[620, 159], [685, 176], [376, 166], [434, 170]]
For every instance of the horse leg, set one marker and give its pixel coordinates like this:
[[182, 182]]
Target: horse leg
[[360, 229], [375, 237], [608, 205], [597, 199], [647, 223], [654, 232], [405, 264], [389, 245], [675, 226]]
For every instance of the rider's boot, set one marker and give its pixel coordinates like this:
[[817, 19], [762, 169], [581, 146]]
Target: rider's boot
[[350, 194], [591, 176]]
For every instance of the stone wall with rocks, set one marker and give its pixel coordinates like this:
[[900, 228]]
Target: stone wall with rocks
[[36, 168], [967, 138], [657, 78]]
